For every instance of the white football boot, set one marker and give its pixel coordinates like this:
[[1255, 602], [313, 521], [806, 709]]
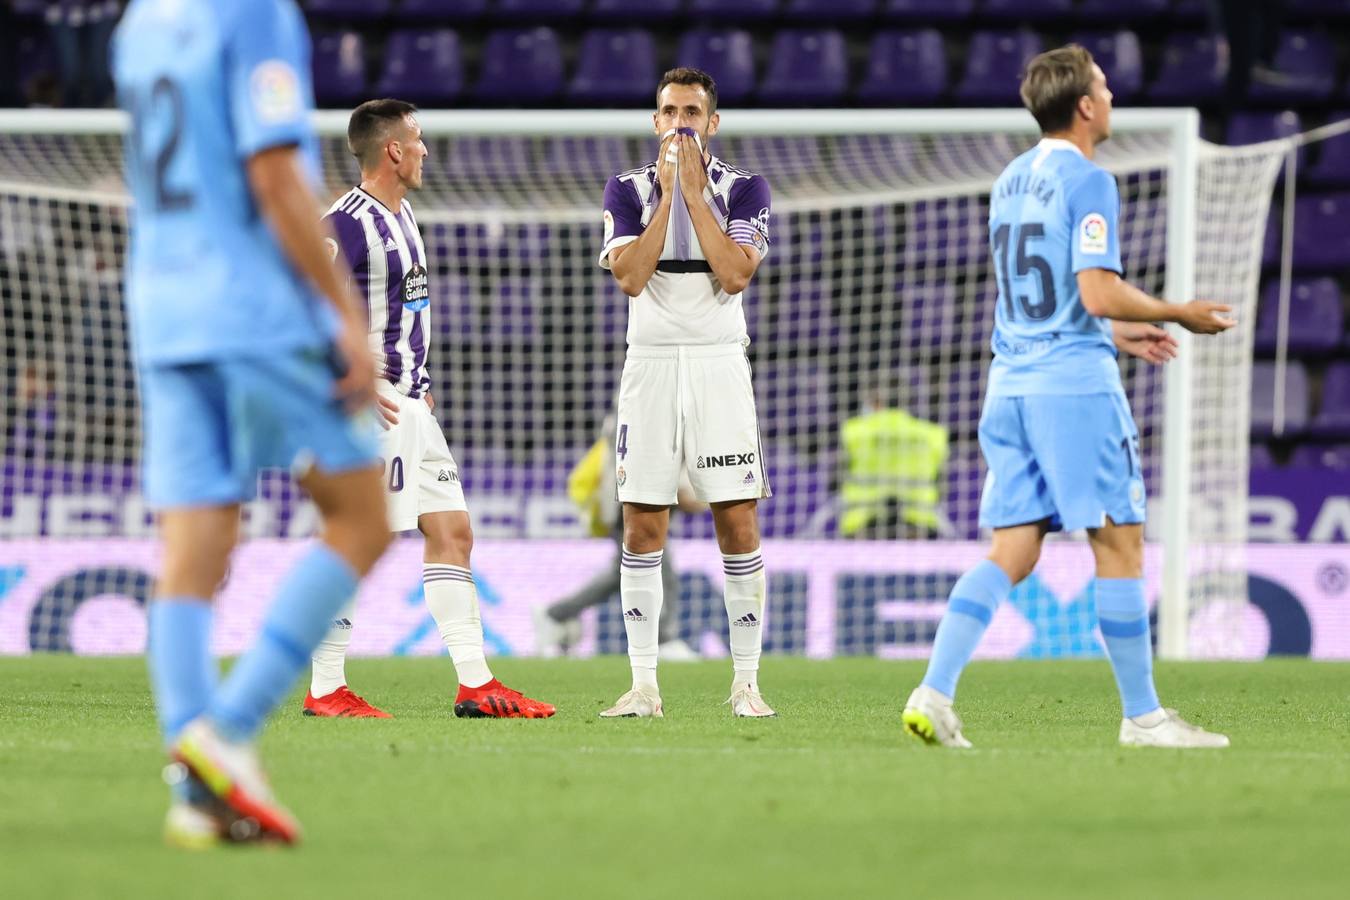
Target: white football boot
[[639, 703], [929, 717], [1164, 728], [746, 703]]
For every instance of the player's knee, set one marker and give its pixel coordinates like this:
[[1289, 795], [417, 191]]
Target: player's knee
[[740, 536], [642, 537]]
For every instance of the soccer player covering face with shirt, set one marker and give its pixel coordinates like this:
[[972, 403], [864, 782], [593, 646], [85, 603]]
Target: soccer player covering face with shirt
[[376, 237], [683, 237], [1056, 431]]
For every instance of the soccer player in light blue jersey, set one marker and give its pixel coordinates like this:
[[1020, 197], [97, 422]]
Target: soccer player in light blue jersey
[[251, 352], [1056, 431]]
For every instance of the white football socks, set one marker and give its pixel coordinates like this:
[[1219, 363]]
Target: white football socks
[[640, 590], [329, 661], [452, 600], [745, 594]]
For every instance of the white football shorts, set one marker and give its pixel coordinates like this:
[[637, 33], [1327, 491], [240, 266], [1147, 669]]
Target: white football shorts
[[420, 475], [688, 407]]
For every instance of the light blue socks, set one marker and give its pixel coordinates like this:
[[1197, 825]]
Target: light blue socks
[[974, 598], [182, 671], [1122, 612]]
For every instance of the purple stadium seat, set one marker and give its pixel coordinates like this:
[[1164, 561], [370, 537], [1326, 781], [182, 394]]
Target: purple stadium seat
[[1322, 232], [1263, 399], [439, 10], [348, 9], [1260, 457], [520, 66], [728, 55], [905, 68], [616, 66], [994, 67], [740, 10], [1316, 318], [1118, 54], [924, 12], [1256, 127], [634, 10], [829, 10], [339, 68], [1309, 59], [423, 66], [1114, 11], [806, 68], [1321, 456], [1026, 10], [536, 10], [1193, 70], [1333, 419], [1332, 166]]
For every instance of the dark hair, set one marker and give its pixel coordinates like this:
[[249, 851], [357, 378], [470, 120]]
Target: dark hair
[[1054, 83], [686, 75], [369, 126]]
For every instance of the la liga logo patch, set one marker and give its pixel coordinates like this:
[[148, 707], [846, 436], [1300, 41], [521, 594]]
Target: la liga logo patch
[[1092, 234]]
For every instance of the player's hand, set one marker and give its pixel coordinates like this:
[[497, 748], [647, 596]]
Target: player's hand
[[356, 387], [387, 407], [1148, 342], [431, 403], [665, 166], [1204, 317], [693, 176]]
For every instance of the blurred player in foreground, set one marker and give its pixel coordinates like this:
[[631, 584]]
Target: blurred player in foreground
[[1056, 431], [683, 237], [251, 352], [378, 241]]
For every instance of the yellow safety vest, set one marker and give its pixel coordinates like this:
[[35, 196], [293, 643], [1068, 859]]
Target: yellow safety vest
[[583, 485], [892, 456]]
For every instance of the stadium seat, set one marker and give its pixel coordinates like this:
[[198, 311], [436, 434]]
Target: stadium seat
[[806, 68], [728, 55], [520, 66], [1331, 167], [1322, 456], [425, 67], [1260, 457], [1322, 232], [739, 10], [1193, 70], [615, 66], [439, 10], [1333, 418], [925, 12], [536, 10], [610, 155], [339, 66], [1256, 127], [634, 10], [1026, 10], [1308, 58], [995, 61], [1316, 318], [905, 68], [1118, 54], [348, 10], [829, 10], [1114, 11], [1263, 399]]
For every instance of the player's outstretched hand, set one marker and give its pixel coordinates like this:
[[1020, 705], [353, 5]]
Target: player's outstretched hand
[[693, 177], [1204, 317], [356, 387], [1146, 341], [666, 164]]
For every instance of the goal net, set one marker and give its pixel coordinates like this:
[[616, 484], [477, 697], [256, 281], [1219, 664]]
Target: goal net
[[878, 288]]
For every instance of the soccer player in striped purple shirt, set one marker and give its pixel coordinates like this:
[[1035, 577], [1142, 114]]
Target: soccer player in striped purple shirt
[[377, 236]]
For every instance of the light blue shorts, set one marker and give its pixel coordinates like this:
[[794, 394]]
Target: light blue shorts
[[210, 427], [1073, 459]]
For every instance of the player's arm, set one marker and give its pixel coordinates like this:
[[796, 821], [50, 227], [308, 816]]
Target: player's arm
[[631, 251], [733, 262]]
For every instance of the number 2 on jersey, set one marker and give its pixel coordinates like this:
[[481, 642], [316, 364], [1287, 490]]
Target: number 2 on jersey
[[1026, 264], [154, 164]]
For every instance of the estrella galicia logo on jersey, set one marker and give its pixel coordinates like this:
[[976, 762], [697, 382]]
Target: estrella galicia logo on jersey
[[728, 459], [416, 293], [1092, 237]]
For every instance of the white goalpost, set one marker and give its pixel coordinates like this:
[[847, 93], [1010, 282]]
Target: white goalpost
[[878, 278]]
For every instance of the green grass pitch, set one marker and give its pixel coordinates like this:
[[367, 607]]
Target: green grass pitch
[[830, 800]]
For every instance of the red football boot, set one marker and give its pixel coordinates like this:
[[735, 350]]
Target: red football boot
[[343, 704], [495, 700]]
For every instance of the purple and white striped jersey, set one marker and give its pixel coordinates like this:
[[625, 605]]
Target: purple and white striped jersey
[[389, 264]]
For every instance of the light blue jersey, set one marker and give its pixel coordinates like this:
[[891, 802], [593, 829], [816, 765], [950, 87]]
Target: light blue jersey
[[1052, 214], [210, 83]]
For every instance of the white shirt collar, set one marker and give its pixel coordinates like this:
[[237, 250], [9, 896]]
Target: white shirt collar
[[1048, 144]]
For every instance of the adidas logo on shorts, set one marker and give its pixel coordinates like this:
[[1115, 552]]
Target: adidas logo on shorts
[[749, 478]]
